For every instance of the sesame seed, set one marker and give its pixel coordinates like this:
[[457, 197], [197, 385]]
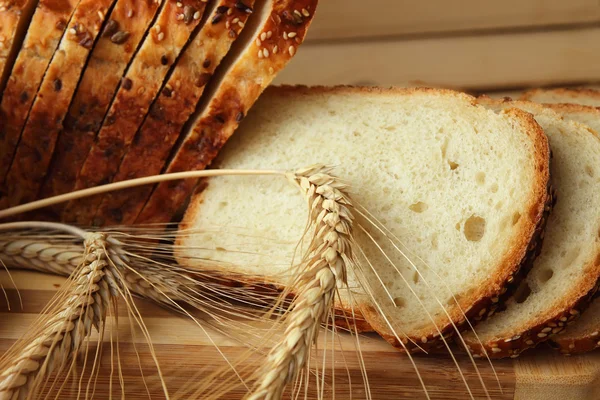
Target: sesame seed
[[514, 355], [161, 36], [258, 43], [180, 17], [73, 31], [260, 54], [292, 50], [542, 335], [266, 53], [546, 330], [179, 4], [129, 13], [297, 13], [508, 340], [100, 15], [269, 34], [595, 333], [292, 35], [157, 28], [496, 350], [574, 312], [424, 339], [263, 36], [241, 24], [197, 14], [563, 319], [227, 24], [598, 343], [482, 312], [230, 11], [572, 346], [285, 35], [557, 330], [529, 342], [271, 70], [305, 12], [235, 20], [495, 299], [275, 49]]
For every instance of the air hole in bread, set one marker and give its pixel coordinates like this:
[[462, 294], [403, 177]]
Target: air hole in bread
[[415, 277], [418, 207], [453, 165], [516, 218], [589, 170], [399, 302], [546, 275], [457, 226], [498, 205], [220, 249], [522, 292], [356, 134], [474, 228], [480, 178], [223, 204], [571, 256], [494, 188], [444, 146]]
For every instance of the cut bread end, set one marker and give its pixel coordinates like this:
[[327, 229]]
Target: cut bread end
[[582, 336], [380, 140], [583, 96]]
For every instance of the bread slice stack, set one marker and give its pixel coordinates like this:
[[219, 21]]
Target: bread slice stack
[[464, 188], [116, 89]]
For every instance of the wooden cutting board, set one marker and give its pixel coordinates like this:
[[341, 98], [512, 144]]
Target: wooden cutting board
[[186, 354]]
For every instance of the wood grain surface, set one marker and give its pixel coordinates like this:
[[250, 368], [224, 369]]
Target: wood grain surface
[[186, 355]]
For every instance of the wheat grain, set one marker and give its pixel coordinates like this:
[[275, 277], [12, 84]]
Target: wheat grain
[[62, 333], [328, 258]]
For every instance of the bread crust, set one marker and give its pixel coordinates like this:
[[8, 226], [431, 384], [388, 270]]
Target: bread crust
[[245, 80], [552, 321], [139, 87], [177, 101], [106, 65], [49, 108], [569, 343], [45, 31], [573, 93]]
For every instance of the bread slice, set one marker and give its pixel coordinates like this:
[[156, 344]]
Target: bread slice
[[566, 274], [50, 106], [583, 96], [173, 28], [582, 336], [463, 187], [124, 30], [174, 106], [277, 28], [15, 17], [43, 36]]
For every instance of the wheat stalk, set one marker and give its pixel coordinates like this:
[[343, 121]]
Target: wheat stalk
[[63, 332], [328, 258]]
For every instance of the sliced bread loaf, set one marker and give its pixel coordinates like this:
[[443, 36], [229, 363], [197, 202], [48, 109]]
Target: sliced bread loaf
[[124, 30], [277, 28], [174, 106], [15, 17], [566, 273], [173, 28], [584, 335], [50, 106], [583, 96], [463, 187], [43, 36]]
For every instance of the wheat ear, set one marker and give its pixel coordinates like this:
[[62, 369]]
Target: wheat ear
[[63, 332], [328, 258]]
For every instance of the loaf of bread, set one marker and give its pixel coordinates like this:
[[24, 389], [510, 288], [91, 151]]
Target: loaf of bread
[[464, 188], [124, 29], [565, 275]]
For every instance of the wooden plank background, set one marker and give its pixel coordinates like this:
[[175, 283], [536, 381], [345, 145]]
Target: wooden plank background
[[467, 44]]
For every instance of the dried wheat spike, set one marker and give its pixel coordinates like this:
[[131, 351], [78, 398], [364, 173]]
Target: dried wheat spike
[[60, 335], [328, 258], [41, 255]]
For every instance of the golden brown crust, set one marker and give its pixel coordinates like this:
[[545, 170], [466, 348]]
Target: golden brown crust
[[142, 82], [566, 93], [584, 339], [172, 108], [260, 60], [45, 31], [108, 60], [52, 101]]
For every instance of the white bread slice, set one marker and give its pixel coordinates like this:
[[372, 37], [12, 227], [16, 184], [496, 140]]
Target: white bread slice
[[172, 30], [565, 275], [174, 106], [463, 187], [276, 29], [583, 96], [43, 36], [582, 336], [125, 29], [50, 106], [15, 17]]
